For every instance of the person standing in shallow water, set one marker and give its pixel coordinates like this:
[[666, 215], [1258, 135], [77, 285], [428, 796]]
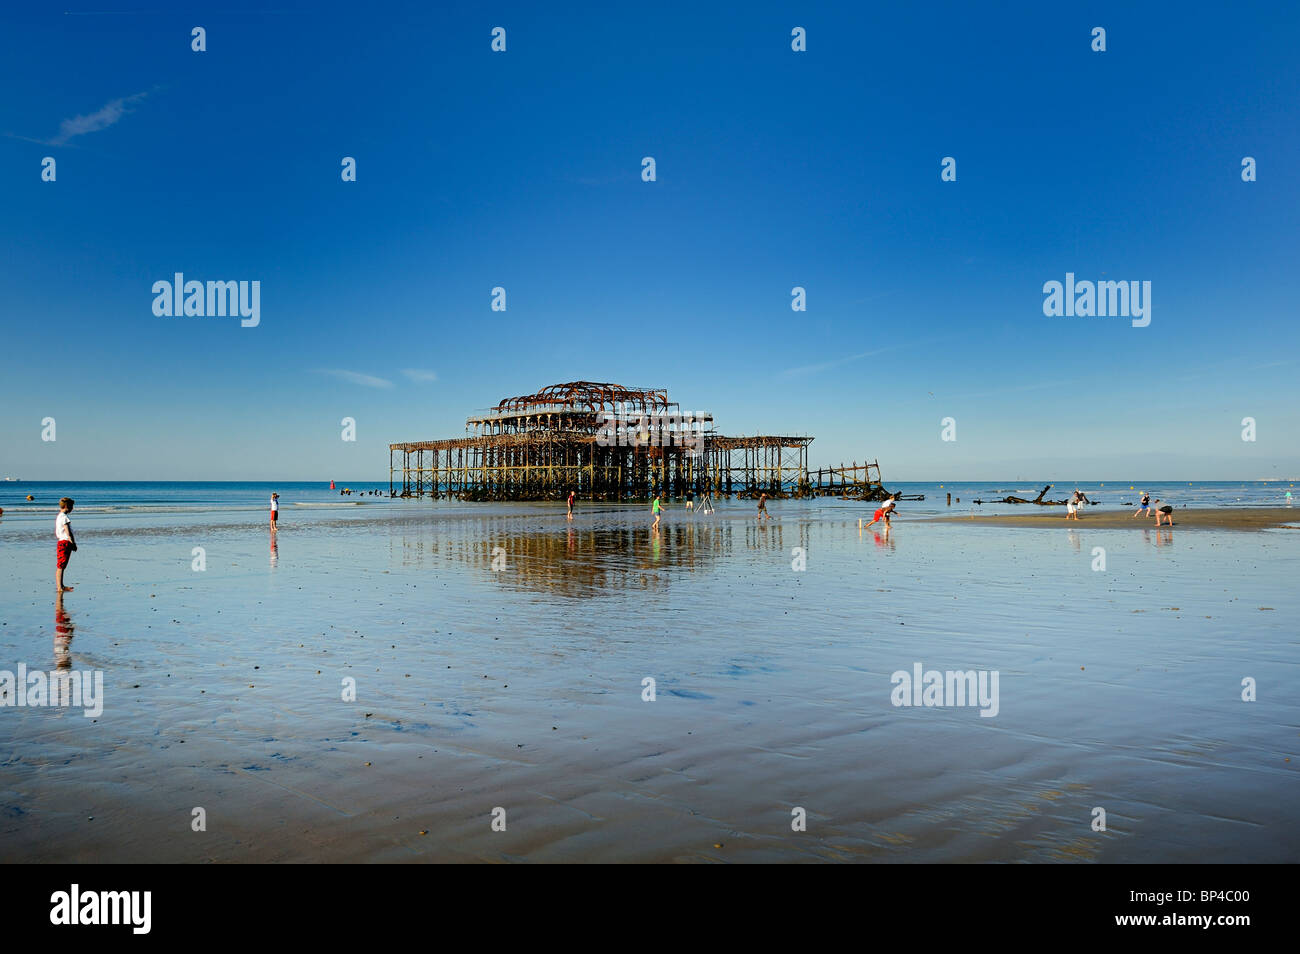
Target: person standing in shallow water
[[65, 542], [571, 499], [657, 511], [762, 507], [275, 510]]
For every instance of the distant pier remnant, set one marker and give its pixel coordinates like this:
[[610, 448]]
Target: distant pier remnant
[[858, 481]]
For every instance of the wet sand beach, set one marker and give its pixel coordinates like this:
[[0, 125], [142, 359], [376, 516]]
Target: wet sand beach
[[1209, 518], [499, 655]]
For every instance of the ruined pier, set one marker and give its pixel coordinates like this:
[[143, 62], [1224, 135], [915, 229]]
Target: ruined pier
[[602, 441]]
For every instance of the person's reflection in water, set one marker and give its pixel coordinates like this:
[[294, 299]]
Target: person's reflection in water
[[885, 541], [63, 630], [275, 550], [571, 543], [1164, 538]]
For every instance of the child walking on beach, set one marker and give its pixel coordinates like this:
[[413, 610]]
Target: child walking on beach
[[655, 508], [571, 499], [66, 543], [275, 510], [762, 507]]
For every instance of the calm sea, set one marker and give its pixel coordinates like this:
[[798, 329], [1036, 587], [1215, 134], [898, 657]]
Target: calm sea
[[154, 497]]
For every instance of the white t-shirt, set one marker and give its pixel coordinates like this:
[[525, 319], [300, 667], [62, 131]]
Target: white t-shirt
[[275, 505], [61, 531]]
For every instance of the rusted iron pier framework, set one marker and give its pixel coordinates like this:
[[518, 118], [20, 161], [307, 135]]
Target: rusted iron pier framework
[[603, 441], [858, 480]]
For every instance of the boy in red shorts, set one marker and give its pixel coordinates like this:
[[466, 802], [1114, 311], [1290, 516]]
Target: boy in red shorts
[[66, 542], [883, 512]]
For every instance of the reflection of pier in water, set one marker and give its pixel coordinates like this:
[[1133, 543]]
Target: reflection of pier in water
[[587, 558]]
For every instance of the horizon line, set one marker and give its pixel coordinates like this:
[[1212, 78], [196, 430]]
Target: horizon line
[[317, 480]]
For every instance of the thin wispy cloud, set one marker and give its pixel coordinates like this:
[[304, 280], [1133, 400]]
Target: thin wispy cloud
[[356, 377], [849, 359], [827, 365], [420, 375], [107, 115]]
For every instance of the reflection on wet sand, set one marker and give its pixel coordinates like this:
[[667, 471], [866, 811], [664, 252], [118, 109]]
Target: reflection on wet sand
[[1163, 538], [63, 631], [882, 540], [597, 559], [773, 536], [275, 550], [772, 683], [592, 561]]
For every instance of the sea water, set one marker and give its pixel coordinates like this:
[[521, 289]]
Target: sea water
[[192, 496]]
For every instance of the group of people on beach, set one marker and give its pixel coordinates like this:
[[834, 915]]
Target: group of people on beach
[[1162, 512], [1075, 504], [657, 507], [66, 541], [706, 506]]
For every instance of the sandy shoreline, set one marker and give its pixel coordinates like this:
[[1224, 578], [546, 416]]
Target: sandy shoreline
[[499, 660], [1208, 518]]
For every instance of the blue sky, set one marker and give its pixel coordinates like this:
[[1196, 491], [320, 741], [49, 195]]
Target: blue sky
[[522, 169]]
